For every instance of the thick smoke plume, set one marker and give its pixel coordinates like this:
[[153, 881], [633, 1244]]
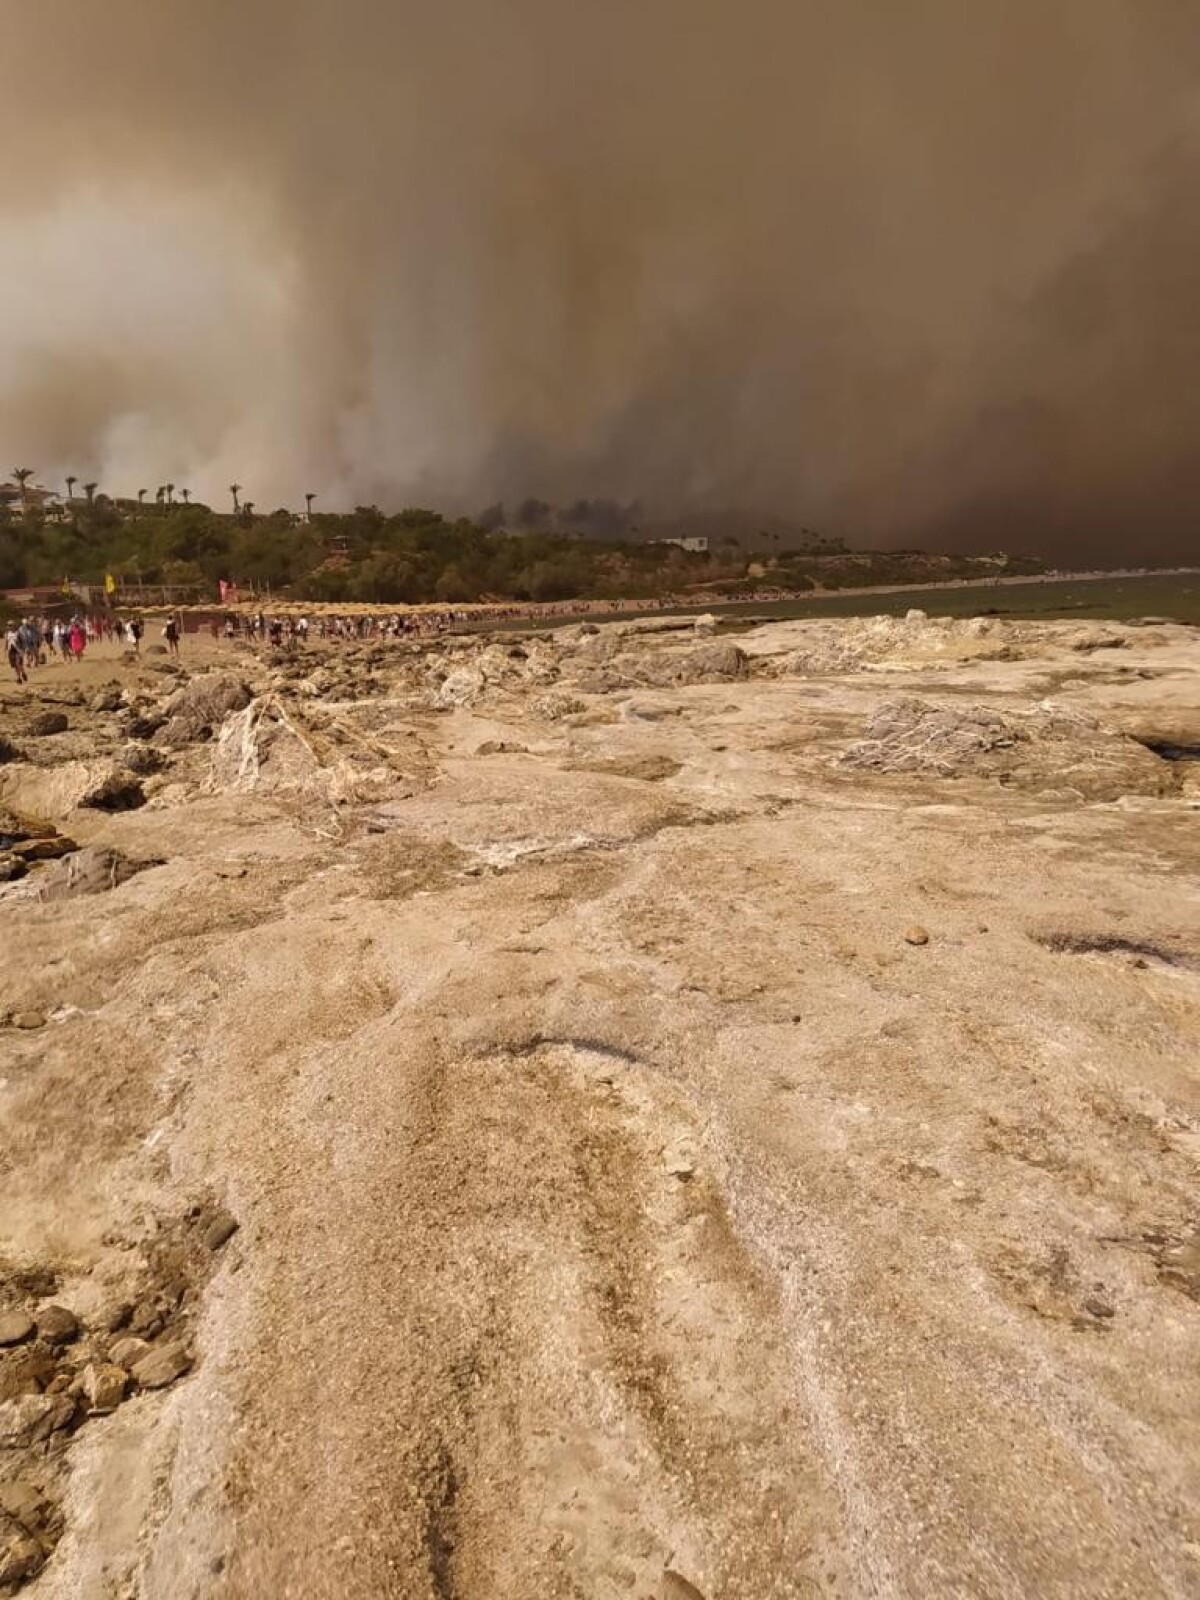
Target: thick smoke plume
[[906, 272]]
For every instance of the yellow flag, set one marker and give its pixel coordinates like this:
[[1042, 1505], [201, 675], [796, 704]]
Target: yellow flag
[[110, 583]]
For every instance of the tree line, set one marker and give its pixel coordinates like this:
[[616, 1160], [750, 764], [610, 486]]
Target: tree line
[[412, 557]]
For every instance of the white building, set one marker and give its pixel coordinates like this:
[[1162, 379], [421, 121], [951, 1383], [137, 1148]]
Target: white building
[[697, 543]]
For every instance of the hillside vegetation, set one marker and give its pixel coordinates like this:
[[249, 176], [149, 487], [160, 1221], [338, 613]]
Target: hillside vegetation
[[420, 556]]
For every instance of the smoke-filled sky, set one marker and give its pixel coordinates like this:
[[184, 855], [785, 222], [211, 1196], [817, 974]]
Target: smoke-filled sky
[[919, 271]]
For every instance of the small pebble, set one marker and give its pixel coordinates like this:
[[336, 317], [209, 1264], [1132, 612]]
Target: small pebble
[[220, 1230], [15, 1327], [57, 1325], [129, 1351], [118, 1317], [162, 1366]]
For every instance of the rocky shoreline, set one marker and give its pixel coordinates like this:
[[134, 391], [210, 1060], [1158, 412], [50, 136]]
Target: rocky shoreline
[[629, 1109]]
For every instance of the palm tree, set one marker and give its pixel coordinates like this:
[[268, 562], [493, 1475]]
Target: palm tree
[[72, 480], [142, 493], [235, 489], [170, 493], [23, 475], [308, 500], [160, 494], [89, 489], [186, 495], [248, 510]]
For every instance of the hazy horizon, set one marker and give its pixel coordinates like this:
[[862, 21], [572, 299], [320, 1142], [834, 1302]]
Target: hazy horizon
[[910, 277]]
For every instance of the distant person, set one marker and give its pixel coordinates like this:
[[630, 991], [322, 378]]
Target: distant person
[[29, 636], [16, 655], [171, 635], [77, 640]]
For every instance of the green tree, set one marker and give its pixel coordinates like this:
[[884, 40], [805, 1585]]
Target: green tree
[[452, 587]]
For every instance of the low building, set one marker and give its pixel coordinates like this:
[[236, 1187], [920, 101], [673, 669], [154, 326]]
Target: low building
[[33, 497]]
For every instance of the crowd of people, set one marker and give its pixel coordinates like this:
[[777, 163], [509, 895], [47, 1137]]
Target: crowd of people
[[285, 632], [257, 628], [36, 640], [289, 630]]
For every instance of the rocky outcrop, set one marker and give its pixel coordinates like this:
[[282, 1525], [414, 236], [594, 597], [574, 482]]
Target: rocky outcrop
[[712, 663], [197, 711], [1045, 749], [53, 793], [47, 723]]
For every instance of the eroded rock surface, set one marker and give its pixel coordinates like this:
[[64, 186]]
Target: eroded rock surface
[[628, 1110]]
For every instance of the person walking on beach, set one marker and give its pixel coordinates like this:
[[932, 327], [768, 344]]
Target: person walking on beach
[[77, 639], [171, 635], [16, 655]]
